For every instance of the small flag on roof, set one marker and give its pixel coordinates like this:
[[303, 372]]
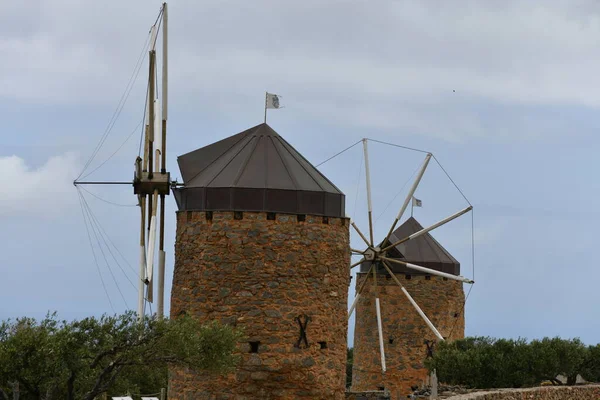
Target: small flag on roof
[[272, 100], [416, 202]]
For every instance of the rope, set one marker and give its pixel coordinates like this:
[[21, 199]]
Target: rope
[[117, 150], [358, 185], [119, 108], [106, 201], [144, 118], [335, 155], [397, 194], [94, 253], [104, 254], [452, 180], [397, 145], [104, 236]]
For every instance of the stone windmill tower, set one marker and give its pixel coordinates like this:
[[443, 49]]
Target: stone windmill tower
[[408, 341], [262, 243]]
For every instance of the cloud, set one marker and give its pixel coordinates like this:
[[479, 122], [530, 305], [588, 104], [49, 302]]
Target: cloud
[[392, 66], [46, 190]]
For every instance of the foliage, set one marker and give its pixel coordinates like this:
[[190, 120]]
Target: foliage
[[53, 359], [349, 364], [483, 362]]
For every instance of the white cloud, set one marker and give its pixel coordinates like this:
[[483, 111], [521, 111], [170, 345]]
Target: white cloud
[[46, 190], [389, 65]]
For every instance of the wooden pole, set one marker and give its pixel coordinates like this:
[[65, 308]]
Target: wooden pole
[[142, 269], [430, 228], [163, 394], [410, 195], [358, 292], [151, 122], [414, 304], [368, 177], [161, 238], [160, 309]]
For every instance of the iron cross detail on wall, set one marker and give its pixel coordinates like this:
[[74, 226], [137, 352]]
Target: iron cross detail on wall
[[302, 322], [430, 345]]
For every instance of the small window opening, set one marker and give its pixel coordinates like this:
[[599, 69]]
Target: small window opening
[[209, 215], [455, 315], [445, 279], [323, 345], [325, 220], [189, 215], [427, 277], [301, 217], [381, 387], [408, 277], [391, 340], [238, 215], [343, 221], [388, 277], [271, 216], [254, 347]]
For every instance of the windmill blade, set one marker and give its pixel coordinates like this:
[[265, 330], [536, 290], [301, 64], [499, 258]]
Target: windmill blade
[[358, 292], [380, 331], [142, 269], [411, 192], [160, 309], [429, 229], [414, 303], [368, 178], [379, 324], [429, 270], [360, 233], [151, 245]]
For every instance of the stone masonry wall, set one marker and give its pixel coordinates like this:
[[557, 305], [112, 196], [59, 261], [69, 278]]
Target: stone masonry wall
[[404, 331], [260, 274], [591, 392]]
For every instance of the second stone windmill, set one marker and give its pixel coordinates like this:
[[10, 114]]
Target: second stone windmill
[[397, 254]]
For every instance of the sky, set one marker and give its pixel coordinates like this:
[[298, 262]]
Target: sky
[[502, 93]]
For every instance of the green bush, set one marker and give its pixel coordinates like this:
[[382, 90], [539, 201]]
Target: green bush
[[484, 362]]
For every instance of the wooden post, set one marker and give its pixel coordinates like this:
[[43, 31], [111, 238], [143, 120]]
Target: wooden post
[[163, 394], [434, 385]]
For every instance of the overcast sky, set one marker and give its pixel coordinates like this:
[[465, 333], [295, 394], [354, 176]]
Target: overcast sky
[[505, 94]]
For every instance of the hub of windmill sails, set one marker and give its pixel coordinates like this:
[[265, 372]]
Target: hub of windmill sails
[[146, 183]]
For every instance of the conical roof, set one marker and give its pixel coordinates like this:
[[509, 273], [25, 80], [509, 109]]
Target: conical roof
[[255, 170], [423, 250]]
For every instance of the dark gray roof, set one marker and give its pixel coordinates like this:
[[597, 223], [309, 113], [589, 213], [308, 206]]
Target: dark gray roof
[[423, 250], [255, 170]]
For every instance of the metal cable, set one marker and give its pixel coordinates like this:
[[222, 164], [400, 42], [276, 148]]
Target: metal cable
[[397, 145], [117, 150], [397, 194], [111, 242], [104, 257], [93, 252], [107, 201], [103, 236], [358, 185], [452, 180], [119, 108], [335, 155]]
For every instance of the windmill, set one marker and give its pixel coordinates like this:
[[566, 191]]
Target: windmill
[[151, 181], [379, 254]]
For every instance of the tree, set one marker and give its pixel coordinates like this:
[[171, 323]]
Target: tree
[[484, 362], [54, 359]]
